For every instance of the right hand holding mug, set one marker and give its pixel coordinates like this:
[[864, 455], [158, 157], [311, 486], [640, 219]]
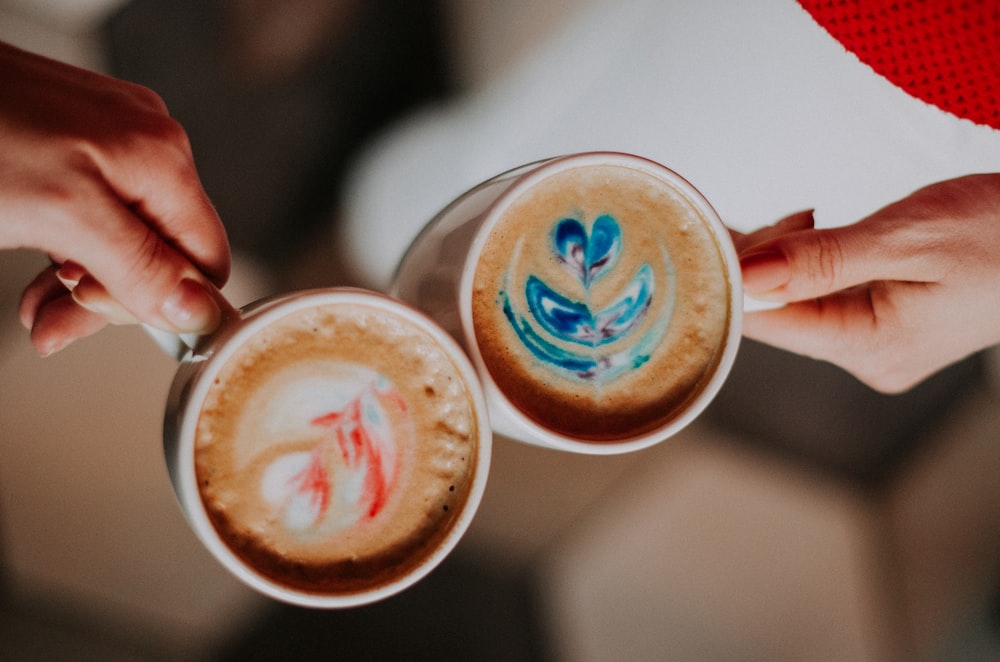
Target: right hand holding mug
[[891, 299]]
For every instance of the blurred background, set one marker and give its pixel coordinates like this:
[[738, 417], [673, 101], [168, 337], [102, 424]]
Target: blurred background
[[804, 517]]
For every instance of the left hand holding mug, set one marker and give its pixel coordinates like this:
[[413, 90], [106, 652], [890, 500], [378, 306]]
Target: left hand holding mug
[[95, 173]]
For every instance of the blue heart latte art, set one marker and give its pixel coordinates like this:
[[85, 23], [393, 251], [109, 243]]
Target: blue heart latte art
[[569, 335]]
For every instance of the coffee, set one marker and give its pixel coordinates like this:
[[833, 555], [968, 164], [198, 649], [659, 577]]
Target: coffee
[[601, 301], [336, 447]]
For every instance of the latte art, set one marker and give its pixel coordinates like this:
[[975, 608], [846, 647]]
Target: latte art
[[576, 333], [336, 448], [600, 302], [350, 470]]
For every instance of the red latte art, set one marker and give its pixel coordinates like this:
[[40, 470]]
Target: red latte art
[[358, 447], [336, 448]]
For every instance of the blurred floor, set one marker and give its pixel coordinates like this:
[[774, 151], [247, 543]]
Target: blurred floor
[[463, 611], [468, 609]]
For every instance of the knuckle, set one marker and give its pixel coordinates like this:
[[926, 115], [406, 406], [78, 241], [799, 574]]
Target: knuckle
[[168, 130], [149, 98], [147, 258], [826, 261], [167, 142], [143, 121], [148, 276], [124, 94], [882, 371], [890, 381], [159, 132]]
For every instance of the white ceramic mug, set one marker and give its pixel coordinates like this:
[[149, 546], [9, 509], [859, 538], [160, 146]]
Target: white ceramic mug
[[201, 364], [436, 275]]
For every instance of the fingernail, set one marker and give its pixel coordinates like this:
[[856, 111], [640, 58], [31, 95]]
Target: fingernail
[[70, 273], [764, 271], [191, 309], [50, 347]]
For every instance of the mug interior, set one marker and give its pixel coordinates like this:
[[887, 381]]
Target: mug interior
[[180, 440], [508, 419]]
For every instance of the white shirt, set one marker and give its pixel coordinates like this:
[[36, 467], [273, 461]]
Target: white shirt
[[754, 103]]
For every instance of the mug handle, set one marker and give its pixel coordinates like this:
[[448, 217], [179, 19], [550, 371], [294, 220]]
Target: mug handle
[[752, 305], [180, 345], [176, 345]]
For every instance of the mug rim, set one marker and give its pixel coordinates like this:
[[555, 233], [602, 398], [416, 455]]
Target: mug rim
[[542, 170], [193, 387]]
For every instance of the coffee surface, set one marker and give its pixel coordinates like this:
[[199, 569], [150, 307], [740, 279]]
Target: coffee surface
[[601, 302], [336, 447]]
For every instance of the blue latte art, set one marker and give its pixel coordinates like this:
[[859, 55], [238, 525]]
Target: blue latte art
[[568, 334]]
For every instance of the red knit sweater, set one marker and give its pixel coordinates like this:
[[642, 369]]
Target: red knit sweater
[[944, 52]]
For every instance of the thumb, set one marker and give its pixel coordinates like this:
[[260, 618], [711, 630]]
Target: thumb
[[814, 263], [190, 307], [126, 270]]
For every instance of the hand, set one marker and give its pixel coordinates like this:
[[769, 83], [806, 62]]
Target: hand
[[94, 172], [891, 299]]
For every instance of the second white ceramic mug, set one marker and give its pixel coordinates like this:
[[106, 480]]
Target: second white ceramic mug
[[436, 276]]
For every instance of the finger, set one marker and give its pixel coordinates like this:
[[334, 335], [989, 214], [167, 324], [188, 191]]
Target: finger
[[69, 274], [803, 220], [157, 178], [60, 321], [48, 310], [857, 330], [178, 208], [819, 328], [45, 287], [91, 295], [814, 263], [142, 272]]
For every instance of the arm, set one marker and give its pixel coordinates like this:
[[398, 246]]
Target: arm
[[95, 173], [891, 299]]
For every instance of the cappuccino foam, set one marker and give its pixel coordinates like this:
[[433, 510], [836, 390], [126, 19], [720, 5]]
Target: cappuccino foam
[[601, 302], [336, 448]]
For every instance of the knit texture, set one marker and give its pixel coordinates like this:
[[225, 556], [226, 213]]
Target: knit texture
[[946, 53]]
